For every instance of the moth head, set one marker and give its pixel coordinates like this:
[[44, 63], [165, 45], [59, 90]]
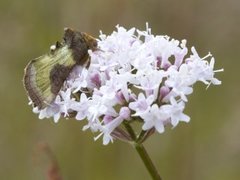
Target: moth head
[[91, 41], [71, 38]]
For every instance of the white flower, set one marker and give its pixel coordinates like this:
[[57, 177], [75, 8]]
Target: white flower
[[155, 118], [180, 81], [202, 69], [175, 110], [80, 81], [142, 104], [52, 110], [81, 107], [61, 106], [150, 81], [108, 128]]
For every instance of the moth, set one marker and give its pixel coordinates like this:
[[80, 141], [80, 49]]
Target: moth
[[45, 75]]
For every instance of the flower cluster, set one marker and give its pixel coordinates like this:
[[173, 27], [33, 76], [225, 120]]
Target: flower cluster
[[134, 76]]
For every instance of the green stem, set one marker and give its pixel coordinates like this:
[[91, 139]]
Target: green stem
[[142, 152], [141, 136], [144, 135], [130, 130], [147, 161]]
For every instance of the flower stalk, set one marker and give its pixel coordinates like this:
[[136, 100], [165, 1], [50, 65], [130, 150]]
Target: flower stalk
[[137, 144], [147, 161]]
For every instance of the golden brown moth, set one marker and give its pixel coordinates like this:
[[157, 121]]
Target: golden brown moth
[[45, 75]]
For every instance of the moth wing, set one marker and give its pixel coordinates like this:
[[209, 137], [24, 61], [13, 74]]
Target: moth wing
[[37, 75]]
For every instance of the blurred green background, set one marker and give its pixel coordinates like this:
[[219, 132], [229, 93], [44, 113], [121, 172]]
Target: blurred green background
[[208, 148]]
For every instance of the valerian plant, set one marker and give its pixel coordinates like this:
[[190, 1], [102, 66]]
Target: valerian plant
[[133, 76]]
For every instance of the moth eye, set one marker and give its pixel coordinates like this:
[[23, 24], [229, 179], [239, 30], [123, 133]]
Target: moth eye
[[53, 47], [94, 43]]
